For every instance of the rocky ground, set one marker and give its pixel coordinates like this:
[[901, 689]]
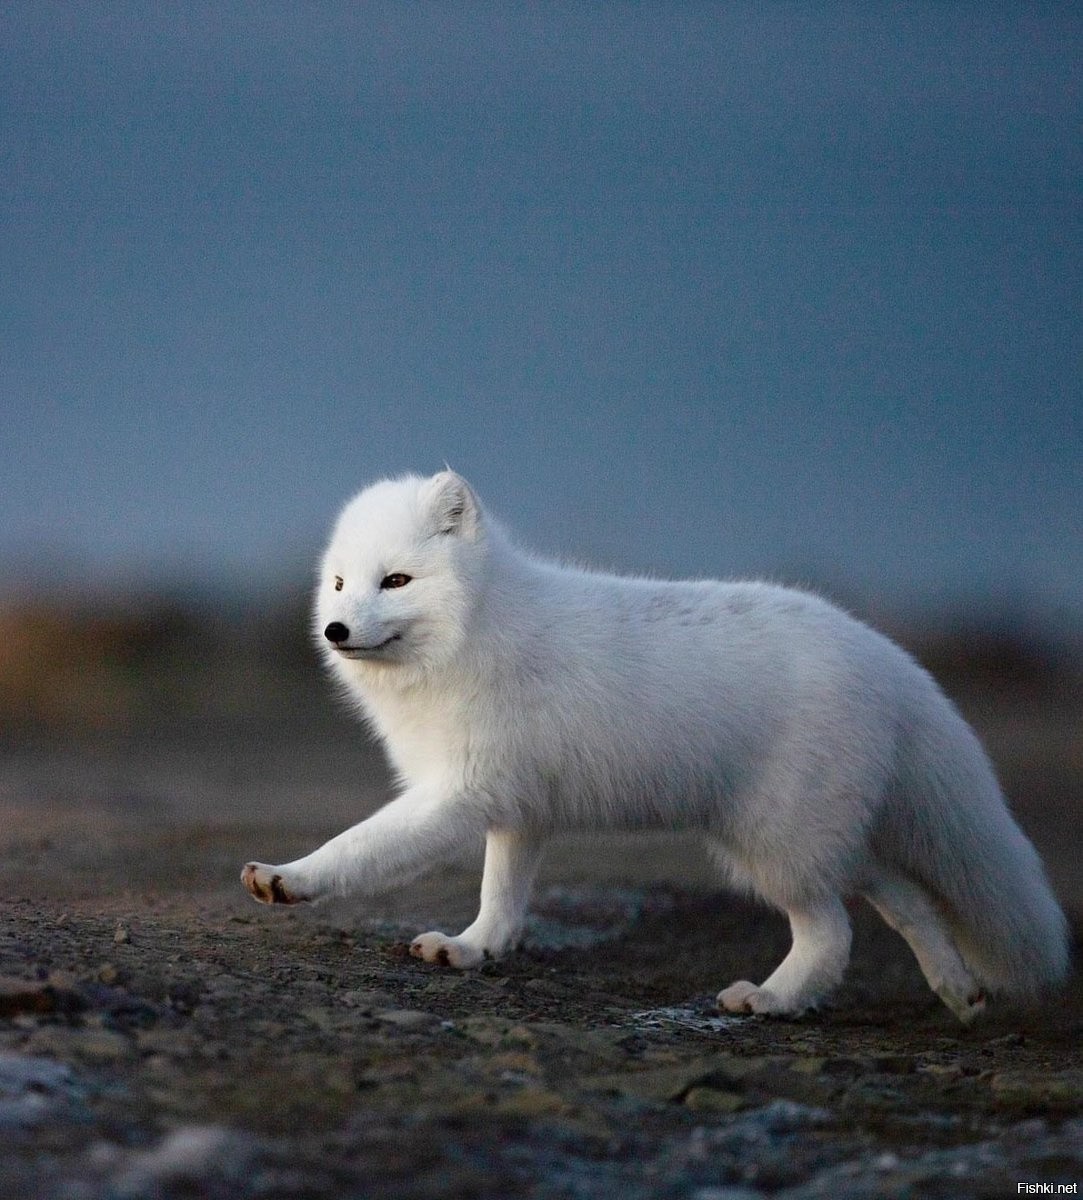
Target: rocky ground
[[163, 1036]]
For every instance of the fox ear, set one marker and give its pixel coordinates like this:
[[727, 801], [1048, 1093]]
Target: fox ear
[[453, 505]]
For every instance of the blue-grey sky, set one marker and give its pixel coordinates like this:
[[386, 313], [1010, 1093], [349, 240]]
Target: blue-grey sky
[[776, 289]]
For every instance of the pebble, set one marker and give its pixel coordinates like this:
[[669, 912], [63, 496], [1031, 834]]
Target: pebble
[[942, 1071], [22, 1072], [513, 1062], [709, 1099], [497, 1031], [406, 1018], [533, 1102], [34, 1089], [20, 996], [184, 1161], [364, 998]]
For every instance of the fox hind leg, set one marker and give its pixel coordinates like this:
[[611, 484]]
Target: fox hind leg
[[809, 972], [907, 908]]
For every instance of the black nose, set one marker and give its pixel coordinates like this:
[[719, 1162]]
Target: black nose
[[336, 632]]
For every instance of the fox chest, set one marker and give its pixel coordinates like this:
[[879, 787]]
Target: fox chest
[[425, 742]]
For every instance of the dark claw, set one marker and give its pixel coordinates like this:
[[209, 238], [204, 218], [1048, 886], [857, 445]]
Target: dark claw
[[278, 893]]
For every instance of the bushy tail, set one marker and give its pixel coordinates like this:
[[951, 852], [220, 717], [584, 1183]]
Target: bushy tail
[[947, 827]]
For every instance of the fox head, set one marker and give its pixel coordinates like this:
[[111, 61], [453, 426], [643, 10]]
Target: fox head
[[398, 580]]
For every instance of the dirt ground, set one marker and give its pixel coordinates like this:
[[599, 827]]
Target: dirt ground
[[163, 1036]]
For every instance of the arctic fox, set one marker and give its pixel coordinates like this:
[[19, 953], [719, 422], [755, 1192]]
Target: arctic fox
[[518, 698]]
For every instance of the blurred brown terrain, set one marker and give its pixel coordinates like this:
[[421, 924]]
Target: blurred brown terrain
[[150, 713]]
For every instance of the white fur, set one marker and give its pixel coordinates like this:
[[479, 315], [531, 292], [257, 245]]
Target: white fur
[[518, 698]]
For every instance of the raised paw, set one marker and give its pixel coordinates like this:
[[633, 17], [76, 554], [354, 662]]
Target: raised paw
[[447, 951], [266, 885], [745, 997]]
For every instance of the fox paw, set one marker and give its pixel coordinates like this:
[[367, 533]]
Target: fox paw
[[967, 1007], [448, 951], [267, 886], [745, 997]]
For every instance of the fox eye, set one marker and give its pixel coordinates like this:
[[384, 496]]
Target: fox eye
[[395, 580], [338, 583]]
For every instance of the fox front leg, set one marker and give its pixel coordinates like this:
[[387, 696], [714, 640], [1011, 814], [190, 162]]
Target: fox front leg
[[402, 839], [511, 862]]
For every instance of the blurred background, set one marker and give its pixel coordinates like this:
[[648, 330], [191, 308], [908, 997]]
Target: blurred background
[[780, 290]]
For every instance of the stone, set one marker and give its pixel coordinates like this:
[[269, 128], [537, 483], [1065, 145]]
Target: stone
[[20, 996], [34, 1089], [709, 1099], [184, 1160], [406, 1018], [533, 1102]]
